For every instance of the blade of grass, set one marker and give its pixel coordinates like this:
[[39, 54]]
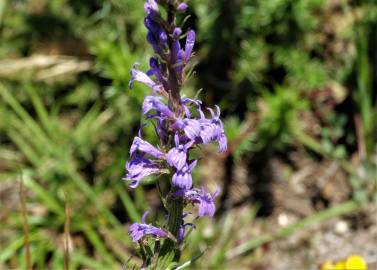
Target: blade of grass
[[79, 258], [41, 110], [338, 210], [128, 203], [14, 245], [66, 234], [48, 200], [23, 115], [25, 225], [97, 243], [24, 147]]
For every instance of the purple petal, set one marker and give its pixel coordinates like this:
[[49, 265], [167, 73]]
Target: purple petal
[[190, 41], [182, 7], [182, 178], [145, 147], [177, 157], [139, 230], [154, 103], [139, 76], [177, 32], [138, 168], [151, 7], [223, 143]]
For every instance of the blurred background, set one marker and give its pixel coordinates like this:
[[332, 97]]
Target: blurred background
[[296, 81]]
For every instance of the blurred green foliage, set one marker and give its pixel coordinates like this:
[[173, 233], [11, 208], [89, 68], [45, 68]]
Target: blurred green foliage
[[279, 66]]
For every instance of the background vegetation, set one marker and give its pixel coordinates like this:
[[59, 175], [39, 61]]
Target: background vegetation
[[293, 78]]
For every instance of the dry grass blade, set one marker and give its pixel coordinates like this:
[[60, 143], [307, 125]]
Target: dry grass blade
[[25, 225], [43, 67]]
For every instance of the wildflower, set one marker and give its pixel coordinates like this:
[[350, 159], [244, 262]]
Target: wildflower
[[353, 262], [191, 127], [139, 230], [154, 103], [177, 156], [190, 41], [151, 7], [182, 7], [145, 147], [139, 76], [178, 127], [201, 197], [182, 178], [177, 32], [138, 168], [206, 204]]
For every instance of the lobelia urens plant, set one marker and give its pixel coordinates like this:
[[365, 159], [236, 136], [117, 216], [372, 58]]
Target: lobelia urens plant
[[180, 126]]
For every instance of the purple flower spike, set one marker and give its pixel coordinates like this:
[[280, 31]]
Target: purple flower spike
[[179, 124], [145, 147], [183, 178], [139, 76], [177, 156], [138, 168], [190, 41]]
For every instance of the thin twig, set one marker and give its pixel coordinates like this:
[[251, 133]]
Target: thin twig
[[25, 225]]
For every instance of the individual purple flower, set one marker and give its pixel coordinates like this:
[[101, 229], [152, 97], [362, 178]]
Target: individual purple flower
[[153, 41], [139, 230], [191, 127], [190, 41], [145, 147], [201, 197], [206, 205], [151, 7], [182, 178], [182, 7], [213, 129], [151, 25], [186, 102], [177, 156], [154, 103], [138, 168], [139, 76], [177, 33], [163, 38]]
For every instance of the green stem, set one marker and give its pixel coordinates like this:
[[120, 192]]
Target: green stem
[[170, 252], [338, 210]]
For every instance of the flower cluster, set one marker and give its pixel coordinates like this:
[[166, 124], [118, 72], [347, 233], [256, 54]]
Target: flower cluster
[[180, 123]]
